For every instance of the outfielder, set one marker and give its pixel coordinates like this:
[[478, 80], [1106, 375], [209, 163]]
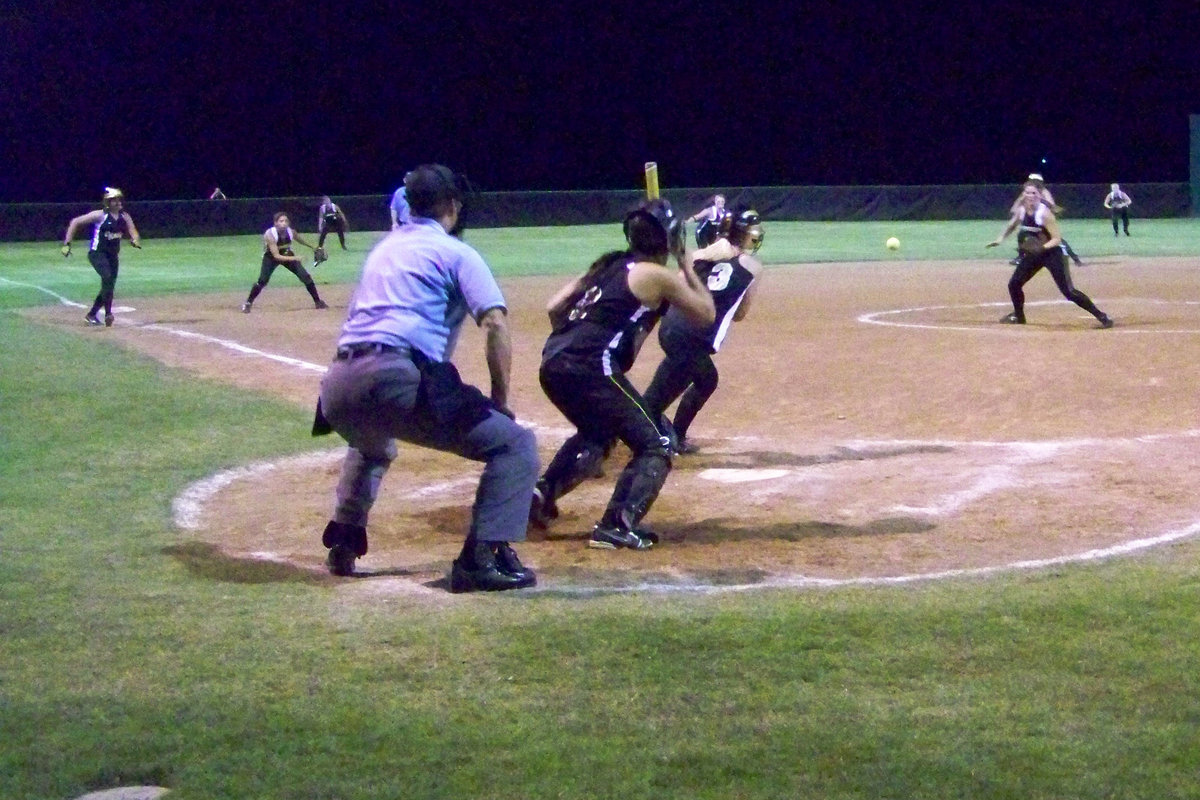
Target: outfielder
[[331, 218], [1118, 203], [109, 224]]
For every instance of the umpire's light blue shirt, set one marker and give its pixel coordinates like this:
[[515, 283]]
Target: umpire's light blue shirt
[[417, 286]]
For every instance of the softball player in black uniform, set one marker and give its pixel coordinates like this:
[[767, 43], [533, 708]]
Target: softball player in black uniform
[[600, 321], [1039, 242], [688, 369], [109, 224], [277, 252], [330, 218]]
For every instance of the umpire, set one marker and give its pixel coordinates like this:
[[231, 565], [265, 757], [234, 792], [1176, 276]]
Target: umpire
[[392, 379]]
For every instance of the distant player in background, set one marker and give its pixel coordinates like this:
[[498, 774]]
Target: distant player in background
[[709, 220], [730, 271], [109, 224], [277, 252], [1038, 242], [217, 194], [399, 208], [1118, 203], [599, 322], [1037, 180], [331, 218]]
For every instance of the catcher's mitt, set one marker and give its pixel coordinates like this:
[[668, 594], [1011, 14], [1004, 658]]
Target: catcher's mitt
[[319, 255]]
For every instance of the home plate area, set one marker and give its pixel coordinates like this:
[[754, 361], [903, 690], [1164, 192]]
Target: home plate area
[[739, 515]]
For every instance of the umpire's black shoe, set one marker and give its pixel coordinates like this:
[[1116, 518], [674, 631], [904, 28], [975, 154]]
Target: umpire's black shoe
[[345, 543], [1012, 319], [507, 562], [615, 537], [341, 561], [477, 570]]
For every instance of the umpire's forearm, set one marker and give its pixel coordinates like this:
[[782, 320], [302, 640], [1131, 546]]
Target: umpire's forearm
[[499, 354]]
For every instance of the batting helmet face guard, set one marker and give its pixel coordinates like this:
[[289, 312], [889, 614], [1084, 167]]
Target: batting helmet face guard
[[745, 230], [654, 229]]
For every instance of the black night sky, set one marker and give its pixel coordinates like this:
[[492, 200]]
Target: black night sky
[[167, 100]]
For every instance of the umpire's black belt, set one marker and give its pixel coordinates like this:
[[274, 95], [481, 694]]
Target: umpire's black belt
[[352, 351]]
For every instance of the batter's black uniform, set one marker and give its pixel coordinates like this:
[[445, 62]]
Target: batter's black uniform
[[1052, 259], [283, 242], [329, 218], [103, 255], [688, 364], [583, 373]]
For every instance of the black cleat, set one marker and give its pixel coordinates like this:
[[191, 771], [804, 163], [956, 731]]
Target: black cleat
[[108, 320], [90, 319], [321, 304], [1012, 319], [611, 537], [1106, 321], [542, 511]]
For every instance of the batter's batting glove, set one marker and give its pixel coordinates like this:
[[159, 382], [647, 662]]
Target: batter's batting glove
[[65, 250]]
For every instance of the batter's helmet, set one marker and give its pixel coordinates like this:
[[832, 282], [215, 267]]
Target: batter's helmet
[[653, 228], [745, 230], [112, 193]]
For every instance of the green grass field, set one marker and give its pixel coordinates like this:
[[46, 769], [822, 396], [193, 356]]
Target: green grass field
[[124, 662]]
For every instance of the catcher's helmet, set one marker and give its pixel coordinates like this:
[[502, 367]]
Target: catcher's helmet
[[653, 228], [745, 230]]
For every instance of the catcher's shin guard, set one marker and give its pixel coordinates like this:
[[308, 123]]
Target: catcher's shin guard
[[637, 489]]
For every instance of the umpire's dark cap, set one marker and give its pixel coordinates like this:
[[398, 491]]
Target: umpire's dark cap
[[429, 188]]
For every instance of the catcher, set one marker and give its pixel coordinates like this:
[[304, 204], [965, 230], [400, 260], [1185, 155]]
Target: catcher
[[277, 252], [330, 217], [1040, 244]]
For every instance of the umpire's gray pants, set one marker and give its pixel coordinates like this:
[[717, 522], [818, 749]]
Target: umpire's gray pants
[[371, 401]]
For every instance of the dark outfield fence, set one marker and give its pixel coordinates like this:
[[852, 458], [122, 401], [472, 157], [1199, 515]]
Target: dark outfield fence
[[177, 218]]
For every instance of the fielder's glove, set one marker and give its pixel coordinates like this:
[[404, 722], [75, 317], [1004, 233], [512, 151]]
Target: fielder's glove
[[1030, 246], [65, 250], [319, 255]]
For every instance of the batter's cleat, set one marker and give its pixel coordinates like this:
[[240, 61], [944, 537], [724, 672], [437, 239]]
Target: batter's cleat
[[245, 308], [1012, 319], [542, 510], [612, 537], [108, 320], [341, 561], [686, 448], [1106, 321], [321, 304], [90, 319]]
